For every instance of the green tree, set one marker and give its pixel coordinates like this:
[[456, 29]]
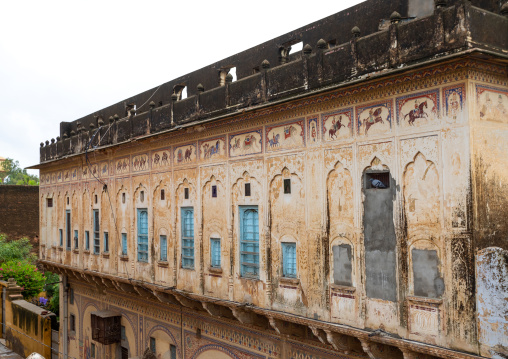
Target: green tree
[[27, 276], [13, 174], [16, 251]]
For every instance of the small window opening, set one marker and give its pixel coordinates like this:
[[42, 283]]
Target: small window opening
[[123, 197], [198, 333], [153, 349], [332, 43], [295, 48], [49, 202], [232, 72], [163, 195], [95, 199], [73, 323], [379, 180], [92, 351], [68, 201], [130, 109], [186, 193], [180, 91], [287, 186], [71, 296], [214, 191], [160, 103], [142, 196], [183, 94], [247, 190], [123, 336], [255, 70]]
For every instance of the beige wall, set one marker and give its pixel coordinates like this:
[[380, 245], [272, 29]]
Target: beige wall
[[429, 159]]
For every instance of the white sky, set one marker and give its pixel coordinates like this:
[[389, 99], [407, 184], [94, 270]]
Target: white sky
[[62, 60]]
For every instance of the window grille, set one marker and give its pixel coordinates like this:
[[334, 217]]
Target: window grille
[[188, 237], [87, 240], [142, 235], [164, 248], [215, 252], [124, 244], [106, 242], [96, 232], [68, 229], [76, 239], [289, 260], [249, 241]]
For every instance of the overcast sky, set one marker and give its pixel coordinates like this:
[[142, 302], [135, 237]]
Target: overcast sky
[[62, 60]]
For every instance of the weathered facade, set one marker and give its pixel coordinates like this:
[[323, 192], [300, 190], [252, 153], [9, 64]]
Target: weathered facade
[[244, 221]]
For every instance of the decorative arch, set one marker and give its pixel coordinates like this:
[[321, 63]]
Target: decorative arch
[[165, 330], [340, 199], [214, 347], [422, 205]]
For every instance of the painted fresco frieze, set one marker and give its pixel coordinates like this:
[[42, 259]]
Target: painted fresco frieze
[[122, 165], [312, 130], [185, 154], [418, 109], [246, 143], [454, 98], [161, 158], [140, 163], [374, 118], [287, 136], [337, 125], [213, 149], [492, 104]]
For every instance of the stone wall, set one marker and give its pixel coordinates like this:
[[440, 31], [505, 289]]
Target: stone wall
[[28, 327], [19, 212]]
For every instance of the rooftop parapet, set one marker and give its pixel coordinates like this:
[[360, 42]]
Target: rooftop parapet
[[337, 50]]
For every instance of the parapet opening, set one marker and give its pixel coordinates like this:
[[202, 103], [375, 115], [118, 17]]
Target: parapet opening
[[227, 74], [180, 91], [130, 109], [293, 49]]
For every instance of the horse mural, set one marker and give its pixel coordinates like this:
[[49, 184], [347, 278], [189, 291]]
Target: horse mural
[[188, 153], [209, 151], [336, 126], [374, 117], [274, 141], [418, 112]]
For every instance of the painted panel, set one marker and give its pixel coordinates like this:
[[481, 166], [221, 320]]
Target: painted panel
[[246, 143], [140, 162], [59, 176], [122, 165], [492, 103], [424, 320], [185, 154], [66, 175], [213, 149], [454, 99], [161, 158], [337, 125], [74, 174], [313, 130], [104, 166], [374, 118], [286, 136], [418, 109]]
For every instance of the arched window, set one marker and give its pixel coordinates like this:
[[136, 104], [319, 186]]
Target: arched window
[[188, 237], [249, 242], [142, 235]]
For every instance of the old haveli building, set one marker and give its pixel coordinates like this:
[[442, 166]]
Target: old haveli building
[[244, 221]]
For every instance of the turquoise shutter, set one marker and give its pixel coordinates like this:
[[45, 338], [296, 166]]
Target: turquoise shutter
[[249, 242], [124, 244], [142, 235], [187, 238], [289, 260], [164, 248], [216, 252]]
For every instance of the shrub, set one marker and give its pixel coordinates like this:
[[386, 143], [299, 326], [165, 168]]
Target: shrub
[[18, 250], [27, 276]]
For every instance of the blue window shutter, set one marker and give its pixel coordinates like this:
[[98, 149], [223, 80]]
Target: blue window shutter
[[249, 241], [215, 252], [289, 260], [124, 244], [164, 248], [142, 235], [187, 224]]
